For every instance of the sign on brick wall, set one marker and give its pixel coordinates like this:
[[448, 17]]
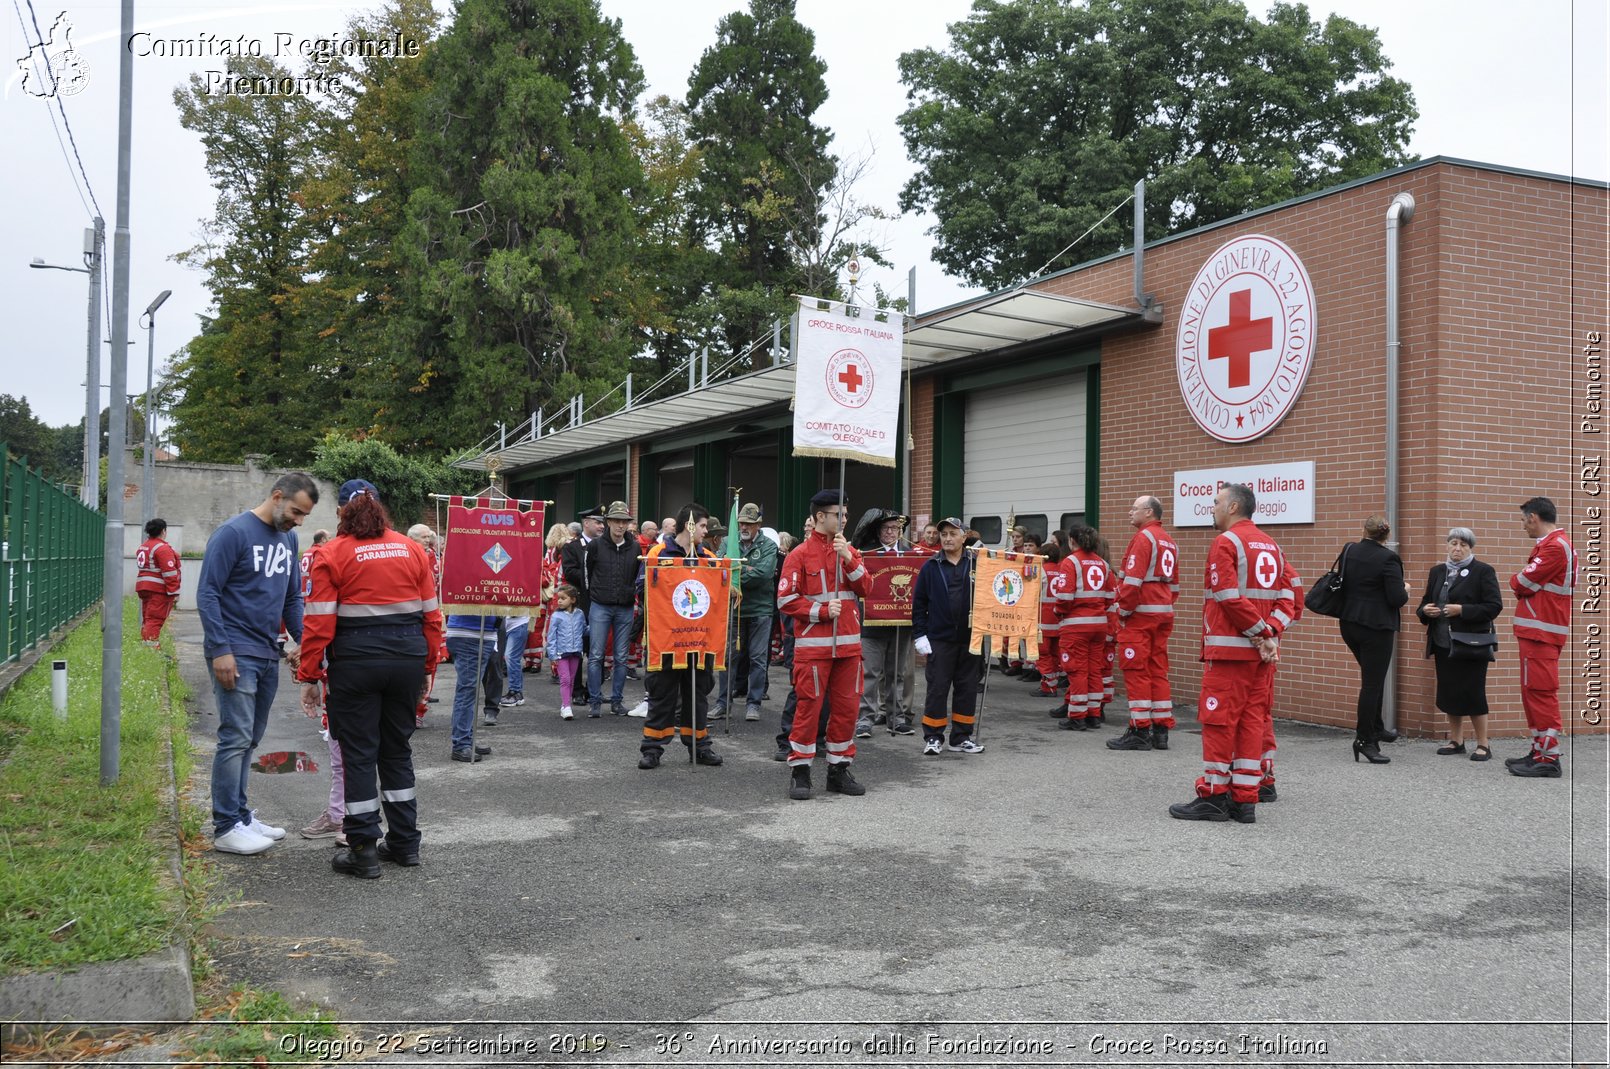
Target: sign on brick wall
[[1285, 492], [1246, 338]]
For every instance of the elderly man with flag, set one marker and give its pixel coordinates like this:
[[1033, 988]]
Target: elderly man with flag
[[749, 652]]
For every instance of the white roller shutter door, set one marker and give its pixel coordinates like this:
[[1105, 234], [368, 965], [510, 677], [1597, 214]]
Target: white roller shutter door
[[1025, 450]]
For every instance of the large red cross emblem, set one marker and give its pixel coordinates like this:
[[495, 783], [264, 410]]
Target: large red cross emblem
[[851, 377], [1240, 338]]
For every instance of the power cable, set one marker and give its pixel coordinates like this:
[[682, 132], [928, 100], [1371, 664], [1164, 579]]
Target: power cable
[[57, 96]]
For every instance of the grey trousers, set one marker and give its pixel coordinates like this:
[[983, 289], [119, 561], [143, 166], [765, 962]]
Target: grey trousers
[[890, 666]]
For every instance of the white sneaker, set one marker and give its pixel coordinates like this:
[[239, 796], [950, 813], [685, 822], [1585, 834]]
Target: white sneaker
[[930, 747], [640, 710], [241, 840], [965, 746], [267, 831], [567, 713]]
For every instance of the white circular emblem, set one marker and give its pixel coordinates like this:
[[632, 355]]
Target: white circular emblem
[[1264, 569], [1008, 587], [1129, 653], [1464, 572], [1212, 704], [691, 599], [849, 378], [1246, 338]]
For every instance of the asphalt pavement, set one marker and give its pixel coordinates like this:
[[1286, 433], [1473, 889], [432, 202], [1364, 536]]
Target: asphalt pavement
[[1034, 904]]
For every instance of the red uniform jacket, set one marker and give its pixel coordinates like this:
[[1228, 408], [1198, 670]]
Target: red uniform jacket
[[159, 568], [1246, 597], [1050, 606], [1543, 591], [1086, 595], [368, 596], [807, 583], [1151, 582]]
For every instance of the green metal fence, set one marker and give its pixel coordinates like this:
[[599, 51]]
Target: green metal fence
[[51, 547]]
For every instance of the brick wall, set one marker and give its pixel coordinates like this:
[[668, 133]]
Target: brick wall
[[922, 456], [1500, 277]]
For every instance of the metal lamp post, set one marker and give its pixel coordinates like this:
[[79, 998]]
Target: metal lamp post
[[148, 493], [94, 242]]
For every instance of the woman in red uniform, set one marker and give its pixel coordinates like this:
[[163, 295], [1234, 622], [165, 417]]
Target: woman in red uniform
[[372, 617]]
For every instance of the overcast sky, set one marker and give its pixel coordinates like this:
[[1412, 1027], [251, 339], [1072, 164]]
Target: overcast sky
[[1492, 84]]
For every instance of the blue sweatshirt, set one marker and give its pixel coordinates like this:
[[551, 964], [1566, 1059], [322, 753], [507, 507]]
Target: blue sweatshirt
[[251, 582], [939, 603]]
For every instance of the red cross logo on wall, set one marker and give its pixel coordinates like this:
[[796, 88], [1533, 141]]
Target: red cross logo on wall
[[1240, 338], [851, 377]]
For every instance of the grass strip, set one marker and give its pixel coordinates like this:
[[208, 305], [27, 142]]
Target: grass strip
[[85, 875]]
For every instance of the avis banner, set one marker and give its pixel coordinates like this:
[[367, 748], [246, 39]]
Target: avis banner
[[686, 604], [492, 563], [847, 382], [1006, 602], [894, 579]]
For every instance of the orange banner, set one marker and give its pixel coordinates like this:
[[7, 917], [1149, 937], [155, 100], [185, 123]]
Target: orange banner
[[1006, 601], [894, 580], [686, 605]]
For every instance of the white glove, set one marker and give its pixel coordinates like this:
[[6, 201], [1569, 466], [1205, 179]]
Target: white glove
[[924, 647]]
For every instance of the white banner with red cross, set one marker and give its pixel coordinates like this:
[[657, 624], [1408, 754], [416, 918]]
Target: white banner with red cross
[[847, 381]]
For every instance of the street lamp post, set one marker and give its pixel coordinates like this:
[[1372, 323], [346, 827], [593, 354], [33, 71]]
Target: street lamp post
[[148, 491], [94, 242]]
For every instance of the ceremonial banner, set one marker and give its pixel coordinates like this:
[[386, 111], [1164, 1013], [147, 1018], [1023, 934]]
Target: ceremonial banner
[[1006, 601], [894, 579], [686, 602], [846, 383], [492, 563]]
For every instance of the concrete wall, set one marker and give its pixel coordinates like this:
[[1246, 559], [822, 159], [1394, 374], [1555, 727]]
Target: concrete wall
[[196, 498]]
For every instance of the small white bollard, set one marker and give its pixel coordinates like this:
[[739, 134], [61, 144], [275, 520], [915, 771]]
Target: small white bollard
[[58, 688]]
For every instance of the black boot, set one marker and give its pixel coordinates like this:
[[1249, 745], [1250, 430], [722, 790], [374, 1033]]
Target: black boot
[[1244, 812], [359, 859], [1029, 675], [839, 781], [1386, 735], [1215, 808], [1059, 713], [1267, 793], [1536, 769], [406, 858], [1133, 739], [1070, 724], [1159, 737], [799, 786]]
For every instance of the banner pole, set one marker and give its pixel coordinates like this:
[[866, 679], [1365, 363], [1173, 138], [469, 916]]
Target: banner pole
[[838, 561]]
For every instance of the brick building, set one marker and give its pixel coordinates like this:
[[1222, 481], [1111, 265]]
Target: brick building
[[1062, 400]]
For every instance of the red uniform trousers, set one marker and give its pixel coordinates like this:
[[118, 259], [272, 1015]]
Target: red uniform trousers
[[1234, 711], [1109, 659], [154, 609], [840, 681], [1143, 651], [1540, 696], [1269, 734], [1084, 658], [1049, 663]]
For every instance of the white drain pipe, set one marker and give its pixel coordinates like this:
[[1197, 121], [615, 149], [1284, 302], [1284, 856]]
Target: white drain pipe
[[1400, 212]]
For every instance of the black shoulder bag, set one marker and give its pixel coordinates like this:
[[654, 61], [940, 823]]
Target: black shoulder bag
[[1329, 592]]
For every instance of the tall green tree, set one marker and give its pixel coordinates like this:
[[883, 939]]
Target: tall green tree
[[245, 382], [519, 235], [1042, 114], [356, 196], [752, 99]]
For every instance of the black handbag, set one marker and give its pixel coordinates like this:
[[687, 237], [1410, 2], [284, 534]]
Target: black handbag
[[1329, 592], [1472, 646]]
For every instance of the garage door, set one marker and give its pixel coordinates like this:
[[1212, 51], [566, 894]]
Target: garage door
[[1024, 453]]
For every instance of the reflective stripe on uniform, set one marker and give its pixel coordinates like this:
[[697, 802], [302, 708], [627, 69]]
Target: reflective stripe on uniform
[[393, 609], [1553, 629], [372, 805], [404, 795], [1236, 641], [855, 575], [319, 608], [1169, 609]]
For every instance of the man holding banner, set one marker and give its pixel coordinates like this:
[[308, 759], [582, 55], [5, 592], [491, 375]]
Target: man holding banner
[[818, 586], [685, 615], [939, 619]]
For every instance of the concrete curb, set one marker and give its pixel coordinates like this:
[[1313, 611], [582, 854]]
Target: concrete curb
[[155, 988]]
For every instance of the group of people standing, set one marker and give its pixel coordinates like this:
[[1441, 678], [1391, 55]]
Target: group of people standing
[[366, 630]]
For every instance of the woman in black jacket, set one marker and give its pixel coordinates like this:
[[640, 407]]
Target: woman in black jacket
[[1461, 595], [1369, 617]]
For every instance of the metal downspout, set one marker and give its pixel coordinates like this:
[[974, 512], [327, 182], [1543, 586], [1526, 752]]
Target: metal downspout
[[1400, 211]]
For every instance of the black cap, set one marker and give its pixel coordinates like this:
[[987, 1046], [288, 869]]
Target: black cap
[[826, 499], [592, 512], [952, 521]]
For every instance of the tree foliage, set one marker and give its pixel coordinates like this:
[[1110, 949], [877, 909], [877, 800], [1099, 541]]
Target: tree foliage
[[405, 482], [1042, 114], [55, 452], [519, 236], [243, 383]]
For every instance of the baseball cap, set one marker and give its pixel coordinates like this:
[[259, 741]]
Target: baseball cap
[[352, 488]]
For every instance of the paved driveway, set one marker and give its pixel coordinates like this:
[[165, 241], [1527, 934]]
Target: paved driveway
[[1421, 911]]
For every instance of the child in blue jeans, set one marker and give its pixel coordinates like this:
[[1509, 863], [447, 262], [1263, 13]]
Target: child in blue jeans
[[567, 629]]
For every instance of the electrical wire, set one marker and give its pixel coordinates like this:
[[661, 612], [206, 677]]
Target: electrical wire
[[1081, 237], [57, 97]]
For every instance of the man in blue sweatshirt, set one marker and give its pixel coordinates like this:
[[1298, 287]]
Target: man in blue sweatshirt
[[251, 583], [939, 622]]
